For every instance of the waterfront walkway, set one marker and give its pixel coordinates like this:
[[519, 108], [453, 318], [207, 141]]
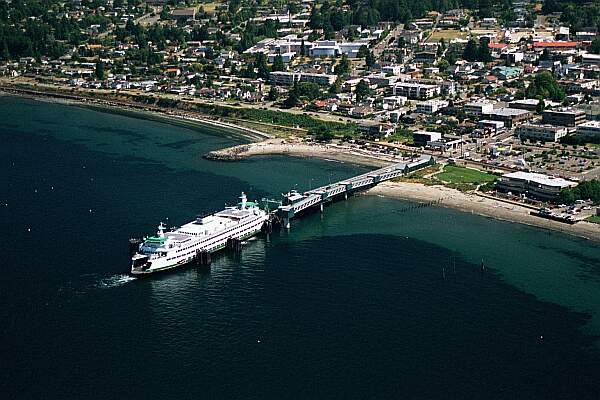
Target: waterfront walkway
[[295, 203]]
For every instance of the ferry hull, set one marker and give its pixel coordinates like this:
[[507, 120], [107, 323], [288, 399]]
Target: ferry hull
[[193, 261]]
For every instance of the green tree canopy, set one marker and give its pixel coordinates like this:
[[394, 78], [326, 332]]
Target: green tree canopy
[[278, 63], [544, 86], [343, 66], [362, 90]]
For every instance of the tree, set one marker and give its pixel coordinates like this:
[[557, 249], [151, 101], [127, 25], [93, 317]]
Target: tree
[[362, 90], [443, 65], [362, 51], [278, 63], [99, 70], [322, 133], [343, 67], [595, 46], [292, 100], [309, 90], [541, 105], [545, 86], [583, 191], [260, 63], [471, 51], [483, 53], [273, 94], [336, 87], [370, 59]]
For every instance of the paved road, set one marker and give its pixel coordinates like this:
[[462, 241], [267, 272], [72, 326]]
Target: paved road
[[380, 47], [435, 24]]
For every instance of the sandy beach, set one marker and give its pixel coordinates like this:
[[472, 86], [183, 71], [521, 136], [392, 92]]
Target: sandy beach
[[478, 204], [298, 148]]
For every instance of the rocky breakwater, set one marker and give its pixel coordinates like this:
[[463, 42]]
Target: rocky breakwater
[[299, 148], [234, 153]]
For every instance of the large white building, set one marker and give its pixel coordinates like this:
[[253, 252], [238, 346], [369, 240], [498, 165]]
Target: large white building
[[533, 185], [332, 48], [590, 130], [288, 78], [546, 133], [416, 90], [431, 106], [479, 108]]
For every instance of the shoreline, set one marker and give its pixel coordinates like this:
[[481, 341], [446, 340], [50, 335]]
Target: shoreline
[[262, 144], [154, 113], [483, 206]]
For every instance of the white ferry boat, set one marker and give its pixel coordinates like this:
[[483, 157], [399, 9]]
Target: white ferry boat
[[181, 246]]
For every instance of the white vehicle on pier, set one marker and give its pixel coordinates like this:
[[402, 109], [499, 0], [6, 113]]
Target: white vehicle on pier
[[207, 234]]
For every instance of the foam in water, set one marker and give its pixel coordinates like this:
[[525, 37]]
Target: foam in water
[[115, 281]]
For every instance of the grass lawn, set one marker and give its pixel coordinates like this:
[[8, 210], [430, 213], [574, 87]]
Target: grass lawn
[[448, 34], [458, 175], [210, 7], [595, 219]]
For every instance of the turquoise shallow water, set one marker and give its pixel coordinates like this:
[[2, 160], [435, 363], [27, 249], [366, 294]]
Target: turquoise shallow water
[[350, 304]]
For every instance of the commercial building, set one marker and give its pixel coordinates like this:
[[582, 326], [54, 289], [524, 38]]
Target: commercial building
[[533, 185], [493, 127], [479, 108], [416, 90], [505, 73], [332, 48], [558, 45], [421, 138], [589, 130], [546, 133], [431, 106], [288, 78], [564, 117], [375, 129], [530, 104], [591, 59], [183, 14], [510, 116]]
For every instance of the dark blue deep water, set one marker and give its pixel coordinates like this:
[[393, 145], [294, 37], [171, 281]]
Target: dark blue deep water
[[350, 304]]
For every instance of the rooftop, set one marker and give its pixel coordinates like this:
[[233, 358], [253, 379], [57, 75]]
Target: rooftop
[[506, 111], [540, 179]]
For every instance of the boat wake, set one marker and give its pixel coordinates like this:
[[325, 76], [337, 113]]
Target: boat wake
[[114, 281]]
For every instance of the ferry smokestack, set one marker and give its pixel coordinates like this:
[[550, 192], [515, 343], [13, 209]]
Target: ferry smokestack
[[244, 200]]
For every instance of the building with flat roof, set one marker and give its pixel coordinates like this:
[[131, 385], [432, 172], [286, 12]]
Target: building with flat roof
[[510, 116], [184, 13], [421, 138], [288, 78], [564, 117], [477, 109], [431, 106], [539, 186], [505, 73], [530, 104], [589, 130], [494, 127], [546, 133], [416, 90]]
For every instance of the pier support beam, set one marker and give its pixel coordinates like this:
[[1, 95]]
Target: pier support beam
[[346, 195], [286, 223], [321, 207]]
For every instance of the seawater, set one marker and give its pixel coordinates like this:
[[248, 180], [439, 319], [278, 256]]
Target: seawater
[[371, 299]]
